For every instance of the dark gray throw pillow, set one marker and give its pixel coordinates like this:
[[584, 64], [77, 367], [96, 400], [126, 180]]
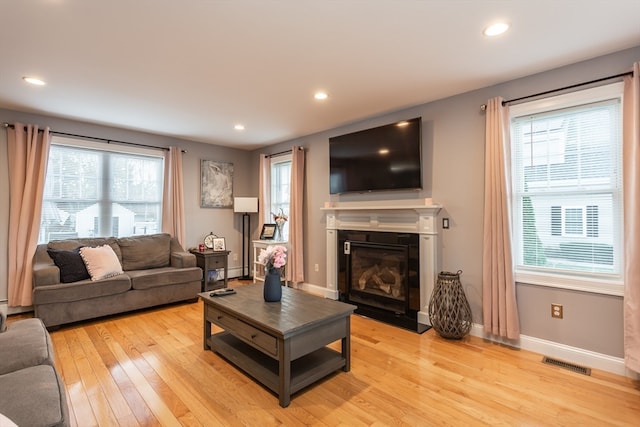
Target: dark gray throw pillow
[[70, 263]]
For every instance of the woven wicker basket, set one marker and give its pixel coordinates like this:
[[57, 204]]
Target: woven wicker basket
[[449, 310]]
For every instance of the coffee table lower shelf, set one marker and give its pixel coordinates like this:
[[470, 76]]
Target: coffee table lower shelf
[[304, 371]]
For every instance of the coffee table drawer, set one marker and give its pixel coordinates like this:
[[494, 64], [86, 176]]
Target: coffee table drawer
[[257, 338]]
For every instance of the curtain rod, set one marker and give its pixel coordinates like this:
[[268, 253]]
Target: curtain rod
[[95, 138], [282, 152], [628, 73]]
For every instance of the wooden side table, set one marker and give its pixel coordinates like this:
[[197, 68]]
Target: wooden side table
[[215, 268]]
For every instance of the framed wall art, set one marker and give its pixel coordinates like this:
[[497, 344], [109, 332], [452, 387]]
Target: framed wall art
[[216, 184]]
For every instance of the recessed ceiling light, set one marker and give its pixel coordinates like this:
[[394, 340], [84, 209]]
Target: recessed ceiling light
[[33, 81], [239, 127], [496, 29], [320, 96]]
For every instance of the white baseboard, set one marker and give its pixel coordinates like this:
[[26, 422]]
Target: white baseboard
[[4, 307], [316, 290], [563, 352]]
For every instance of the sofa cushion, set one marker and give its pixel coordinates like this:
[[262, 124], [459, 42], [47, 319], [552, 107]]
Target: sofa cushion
[[6, 422], [145, 279], [70, 263], [144, 252], [25, 343], [34, 396], [101, 262], [71, 244], [82, 290]]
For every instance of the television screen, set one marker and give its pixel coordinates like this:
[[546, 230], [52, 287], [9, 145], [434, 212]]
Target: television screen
[[383, 158]]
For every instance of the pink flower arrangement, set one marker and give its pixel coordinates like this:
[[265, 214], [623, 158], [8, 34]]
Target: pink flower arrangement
[[273, 256]]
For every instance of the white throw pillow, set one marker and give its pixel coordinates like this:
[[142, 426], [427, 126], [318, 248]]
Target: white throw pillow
[[101, 262], [6, 422]]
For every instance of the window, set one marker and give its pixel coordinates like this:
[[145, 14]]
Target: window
[[93, 191], [281, 188], [567, 190]]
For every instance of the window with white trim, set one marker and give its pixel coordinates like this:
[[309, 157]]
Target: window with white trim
[[95, 190], [281, 188], [566, 173]]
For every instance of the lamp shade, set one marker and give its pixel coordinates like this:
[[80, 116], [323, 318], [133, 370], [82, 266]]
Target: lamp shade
[[245, 204]]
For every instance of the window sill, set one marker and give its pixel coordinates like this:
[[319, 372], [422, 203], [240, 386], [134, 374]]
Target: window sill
[[583, 284]]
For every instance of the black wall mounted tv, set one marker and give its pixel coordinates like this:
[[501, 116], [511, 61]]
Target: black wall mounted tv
[[387, 157]]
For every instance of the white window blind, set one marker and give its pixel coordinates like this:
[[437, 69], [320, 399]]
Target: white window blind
[[281, 188], [92, 192], [567, 188]]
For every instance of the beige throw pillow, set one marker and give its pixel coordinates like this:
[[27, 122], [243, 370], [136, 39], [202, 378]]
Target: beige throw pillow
[[101, 262], [6, 422]]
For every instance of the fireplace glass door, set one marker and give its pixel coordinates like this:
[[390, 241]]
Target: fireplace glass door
[[378, 275]]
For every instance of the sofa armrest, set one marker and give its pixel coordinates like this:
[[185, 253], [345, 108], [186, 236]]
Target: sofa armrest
[[183, 259], [45, 274]]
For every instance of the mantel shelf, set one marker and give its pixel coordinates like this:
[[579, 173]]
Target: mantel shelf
[[380, 208]]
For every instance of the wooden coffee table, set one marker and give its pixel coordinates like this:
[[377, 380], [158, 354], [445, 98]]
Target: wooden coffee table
[[283, 345]]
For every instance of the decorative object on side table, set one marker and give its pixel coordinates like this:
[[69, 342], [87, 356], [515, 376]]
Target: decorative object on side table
[[208, 240], [449, 310], [273, 258], [280, 218], [212, 241], [268, 232]]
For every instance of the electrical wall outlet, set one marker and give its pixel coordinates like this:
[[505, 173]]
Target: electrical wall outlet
[[235, 257], [556, 310], [317, 267]]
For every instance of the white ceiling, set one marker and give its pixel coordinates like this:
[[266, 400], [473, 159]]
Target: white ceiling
[[192, 69]]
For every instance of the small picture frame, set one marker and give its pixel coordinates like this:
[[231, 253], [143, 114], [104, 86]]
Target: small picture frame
[[268, 232], [219, 244]]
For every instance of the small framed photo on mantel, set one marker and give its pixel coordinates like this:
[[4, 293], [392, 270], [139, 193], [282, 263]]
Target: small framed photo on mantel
[[268, 232]]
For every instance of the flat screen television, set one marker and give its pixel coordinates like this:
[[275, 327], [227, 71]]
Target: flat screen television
[[387, 157]]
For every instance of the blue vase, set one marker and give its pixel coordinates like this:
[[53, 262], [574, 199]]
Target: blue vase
[[272, 286]]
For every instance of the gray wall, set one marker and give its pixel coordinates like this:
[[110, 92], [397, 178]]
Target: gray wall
[[453, 163], [453, 160], [200, 221]]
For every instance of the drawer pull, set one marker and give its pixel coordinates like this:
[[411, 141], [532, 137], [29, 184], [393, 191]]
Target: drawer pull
[[220, 317], [253, 336]]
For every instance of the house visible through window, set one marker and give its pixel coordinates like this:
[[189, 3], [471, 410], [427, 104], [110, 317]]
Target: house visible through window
[[567, 190], [575, 220], [93, 191]]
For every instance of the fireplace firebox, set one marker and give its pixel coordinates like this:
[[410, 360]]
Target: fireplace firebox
[[379, 272]]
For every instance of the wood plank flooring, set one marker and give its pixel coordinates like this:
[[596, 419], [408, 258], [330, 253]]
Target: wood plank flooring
[[148, 368]]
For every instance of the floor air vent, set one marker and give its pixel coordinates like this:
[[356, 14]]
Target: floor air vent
[[566, 365]]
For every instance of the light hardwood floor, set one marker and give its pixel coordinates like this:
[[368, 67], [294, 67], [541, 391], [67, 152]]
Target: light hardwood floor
[[149, 368]]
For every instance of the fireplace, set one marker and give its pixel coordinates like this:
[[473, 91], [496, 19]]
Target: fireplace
[[391, 261], [379, 272]]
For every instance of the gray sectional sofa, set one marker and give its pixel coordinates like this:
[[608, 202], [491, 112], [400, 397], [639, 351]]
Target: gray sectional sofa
[[31, 390], [156, 270]]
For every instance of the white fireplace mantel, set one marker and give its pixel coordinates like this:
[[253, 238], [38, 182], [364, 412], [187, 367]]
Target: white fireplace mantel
[[400, 216]]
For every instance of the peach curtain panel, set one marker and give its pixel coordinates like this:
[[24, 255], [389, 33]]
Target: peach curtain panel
[[173, 221], [28, 152], [631, 159], [264, 182], [296, 217], [499, 308]]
